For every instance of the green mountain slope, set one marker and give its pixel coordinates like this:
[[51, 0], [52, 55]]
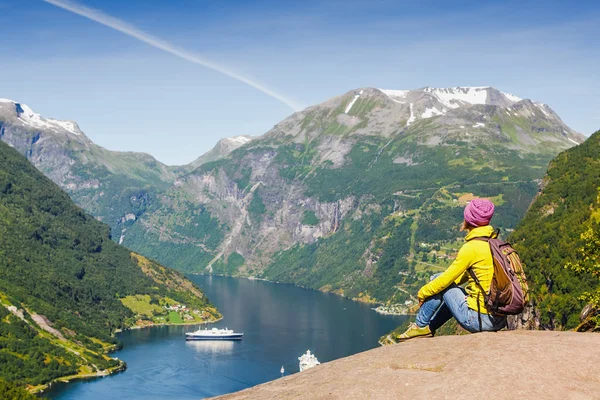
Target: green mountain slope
[[113, 186], [65, 285], [549, 235]]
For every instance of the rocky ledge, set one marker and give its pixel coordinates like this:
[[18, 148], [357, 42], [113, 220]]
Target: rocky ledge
[[503, 365]]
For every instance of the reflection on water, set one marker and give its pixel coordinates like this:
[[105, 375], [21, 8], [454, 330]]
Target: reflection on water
[[211, 346], [280, 322]]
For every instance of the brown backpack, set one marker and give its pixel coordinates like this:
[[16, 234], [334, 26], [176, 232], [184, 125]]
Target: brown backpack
[[509, 291]]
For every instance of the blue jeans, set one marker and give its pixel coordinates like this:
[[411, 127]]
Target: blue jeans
[[452, 302]]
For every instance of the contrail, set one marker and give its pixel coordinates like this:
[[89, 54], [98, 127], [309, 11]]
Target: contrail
[[129, 30]]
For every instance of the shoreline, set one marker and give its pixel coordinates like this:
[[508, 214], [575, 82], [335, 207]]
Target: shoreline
[[253, 278], [131, 328], [123, 366], [39, 389]]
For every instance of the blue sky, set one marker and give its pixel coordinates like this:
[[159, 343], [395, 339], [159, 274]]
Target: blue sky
[[127, 95]]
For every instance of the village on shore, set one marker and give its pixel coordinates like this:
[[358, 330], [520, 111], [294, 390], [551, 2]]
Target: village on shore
[[395, 309]]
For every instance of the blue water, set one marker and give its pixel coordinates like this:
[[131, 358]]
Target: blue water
[[280, 322]]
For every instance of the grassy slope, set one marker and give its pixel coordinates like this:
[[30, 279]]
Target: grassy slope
[[431, 211]]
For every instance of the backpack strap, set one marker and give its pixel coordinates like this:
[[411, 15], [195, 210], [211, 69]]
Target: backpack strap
[[477, 282], [476, 279]]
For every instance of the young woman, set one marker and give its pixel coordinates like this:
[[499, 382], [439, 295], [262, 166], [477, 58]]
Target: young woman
[[442, 298]]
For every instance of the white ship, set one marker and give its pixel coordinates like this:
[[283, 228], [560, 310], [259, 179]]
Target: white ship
[[213, 334], [308, 360]]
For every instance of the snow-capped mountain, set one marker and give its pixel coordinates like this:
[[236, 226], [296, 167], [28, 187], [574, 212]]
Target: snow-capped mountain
[[22, 114], [105, 183], [429, 102], [455, 97], [472, 114], [114, 186]]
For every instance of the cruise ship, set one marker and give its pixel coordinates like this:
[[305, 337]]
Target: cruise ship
[[213, 334], [308, 361]]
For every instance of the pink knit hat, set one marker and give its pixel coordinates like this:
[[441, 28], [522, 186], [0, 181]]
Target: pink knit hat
[[479, 212]]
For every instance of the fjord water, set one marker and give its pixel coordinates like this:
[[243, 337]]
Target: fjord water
[[280, 322]]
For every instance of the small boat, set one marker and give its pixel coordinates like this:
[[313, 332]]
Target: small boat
[[282, 370], [213, 334], [307, 361]]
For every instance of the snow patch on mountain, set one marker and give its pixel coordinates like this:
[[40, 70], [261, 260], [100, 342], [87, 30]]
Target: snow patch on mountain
[[399, 96], [431, 112], [412, 116], [512, 97], [429, 102], [455, 97], [68, 126], [542, 108], [241, 140], [356, 96]]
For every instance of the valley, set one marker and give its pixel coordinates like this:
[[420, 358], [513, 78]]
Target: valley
[[360, 195], [272, 199]]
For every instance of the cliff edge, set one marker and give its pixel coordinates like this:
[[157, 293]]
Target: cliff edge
[[503, 365]]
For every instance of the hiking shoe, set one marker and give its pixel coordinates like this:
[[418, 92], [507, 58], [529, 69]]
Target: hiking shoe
[[414, 331]]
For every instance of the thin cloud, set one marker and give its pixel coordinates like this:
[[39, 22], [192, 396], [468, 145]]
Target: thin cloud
[[130, 30]]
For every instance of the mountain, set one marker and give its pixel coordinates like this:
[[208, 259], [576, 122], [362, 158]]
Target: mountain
[[360, 195], [550, 235], [114, 186], [222, 149], [65, 286]]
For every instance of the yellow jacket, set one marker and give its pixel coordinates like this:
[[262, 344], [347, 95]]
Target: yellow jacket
[[474, 254]]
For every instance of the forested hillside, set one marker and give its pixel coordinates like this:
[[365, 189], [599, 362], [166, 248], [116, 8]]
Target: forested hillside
[[63, 282], [550, 235]]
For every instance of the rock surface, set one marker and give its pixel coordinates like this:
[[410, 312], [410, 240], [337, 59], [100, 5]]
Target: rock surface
[[504, 365]]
